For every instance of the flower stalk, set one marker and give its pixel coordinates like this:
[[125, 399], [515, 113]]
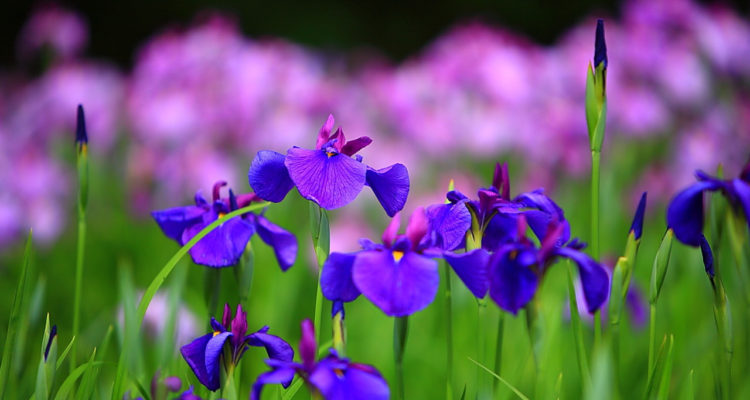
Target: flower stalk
[[82, 165], [400, 331], [321, 238]]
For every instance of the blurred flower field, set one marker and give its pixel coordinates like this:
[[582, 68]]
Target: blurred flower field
[[483, 266]]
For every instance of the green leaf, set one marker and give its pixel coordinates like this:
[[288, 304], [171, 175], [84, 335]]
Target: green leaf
[[68, 383], [498, 377], [575, 321], [46, 370], [15, 319], [666, 373], [617, 296], [65, 353], [292, 390], [601, 380]]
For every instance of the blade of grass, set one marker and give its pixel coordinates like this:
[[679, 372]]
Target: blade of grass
[[65, 352], [15, 318], [498, 377], [666, 373], [68, 383], [575, 321]]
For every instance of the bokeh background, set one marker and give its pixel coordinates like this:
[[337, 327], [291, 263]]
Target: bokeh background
[[179, 95]]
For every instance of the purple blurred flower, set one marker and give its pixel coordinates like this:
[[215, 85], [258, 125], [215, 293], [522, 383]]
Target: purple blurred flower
[[330, 175], [64, 32], [685, 211], [333, 377], [224, 245], [399, 276], [207, 353]]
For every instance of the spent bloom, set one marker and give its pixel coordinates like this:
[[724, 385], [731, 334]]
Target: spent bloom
[[226, 345], [331, 175], [333, 377], [224, 245]]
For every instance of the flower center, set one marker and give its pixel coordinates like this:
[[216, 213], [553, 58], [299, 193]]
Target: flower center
[[398, 255], [216, 333], [339, 373], [330, 154], [221, 214]]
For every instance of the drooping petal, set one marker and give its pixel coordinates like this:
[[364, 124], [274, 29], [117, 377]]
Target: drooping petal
[[398, 288], [391, 187], [174, 221], [512, 282], [685, 212], [214, 348], [269, 177], [279, 374], [276, 347], [223, 246], [545, 212], [501, 229], [353, 146], [284, 243], [450, 222], [336, 277], [594, 277], [195, 356], [471, 267], [336, 379], [332, 182]]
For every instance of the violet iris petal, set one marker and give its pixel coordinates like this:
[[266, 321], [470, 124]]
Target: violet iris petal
[[269, 177], [337, 379], [399, 288], [284, 244], [224, 245], [548, 212], [500, 230], [471, 267], [637, 226], [174, 221], [281, 372], [742, 192], [276, 347], [390, 185], [331, 182], [450, 222], [708, 257], [214, 347], [336, 278], [195, 355], [594, 278], [512, 281], [685, 212]]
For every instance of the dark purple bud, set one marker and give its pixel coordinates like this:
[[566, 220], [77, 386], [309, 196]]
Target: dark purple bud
[[52, 334], [637, 226], [81, 136], [172, 383], [600, 46], [708, 257], [239, 326], [226, 319], [307, 345], [232, 201], [217, 187], [500, 180]]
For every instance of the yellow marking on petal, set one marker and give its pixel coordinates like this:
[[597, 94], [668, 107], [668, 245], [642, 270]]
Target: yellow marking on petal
[[398, 255], [221, 214], [513, 254], [338, 372], [216, 333], [329, 154]]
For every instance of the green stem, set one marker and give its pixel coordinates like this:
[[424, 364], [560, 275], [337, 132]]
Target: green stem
[[651, 336], [483, 380], [321, 237], [400, 330], [594, 245], [575, 321], [81, 245], [499, 348], [448, 333], [211, 289], [244, 275]]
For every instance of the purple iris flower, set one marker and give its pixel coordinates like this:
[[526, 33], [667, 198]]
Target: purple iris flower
[[331, 175], [516, 269], [495, 214], [685, 211], [399, 276], [333, 377], [224, 347], [225, 244]]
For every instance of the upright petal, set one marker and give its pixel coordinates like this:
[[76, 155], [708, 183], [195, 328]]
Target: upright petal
[[325, 132], [332, 182], [390, 233], [223, 246], [471, 267], [336, 379], [512, 282], [195, 356], [336, 277], [391, 187], [399, 288], [594, 278], [417, 227], [174, 221], [637, 226], [685, 212], [284, 243], [308, 347], [269, 177], [450, 222]]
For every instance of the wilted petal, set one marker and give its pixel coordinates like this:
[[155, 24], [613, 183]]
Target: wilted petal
[[174, 221], [336, 278], [399, 288], [284, 244], [269, 177], [391, 187], [685, 212], [450, 222], [332, 182], [471, 267], [594, 278], [338, 380], [223, 246], [512, 282]]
